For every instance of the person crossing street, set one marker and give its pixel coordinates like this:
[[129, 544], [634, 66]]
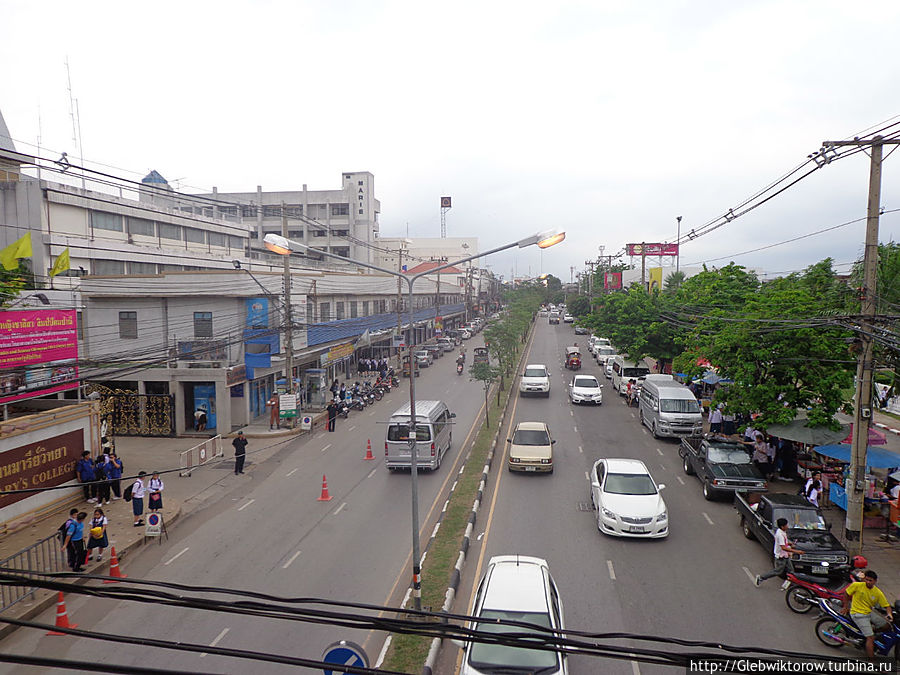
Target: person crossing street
[[240, 452]]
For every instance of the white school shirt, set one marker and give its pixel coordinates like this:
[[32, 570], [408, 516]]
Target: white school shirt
[[781, 540], [156, 485], [137, 490]]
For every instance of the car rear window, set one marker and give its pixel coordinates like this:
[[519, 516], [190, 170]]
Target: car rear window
[[531, 437], [586, 382], [400, 432], [535, 372]]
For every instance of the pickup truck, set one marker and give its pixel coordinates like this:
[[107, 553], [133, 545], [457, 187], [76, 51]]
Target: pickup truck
[[807, 530], [722, 466]]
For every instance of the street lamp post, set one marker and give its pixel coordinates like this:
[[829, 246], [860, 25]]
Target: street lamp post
[[284, 246]]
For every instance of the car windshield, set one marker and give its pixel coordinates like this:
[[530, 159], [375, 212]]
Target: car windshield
[[728, 454], [535, 372], [400, 432], [679, 405], [803, 519], [586, 382], [485, 657], [606, 351], [531, 437], [635, 372], [629, 484]]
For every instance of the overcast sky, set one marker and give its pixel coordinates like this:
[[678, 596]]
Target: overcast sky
[[606, 119]]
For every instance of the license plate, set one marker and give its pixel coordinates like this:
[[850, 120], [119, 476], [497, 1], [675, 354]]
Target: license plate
[[530, 468], [635, 529], [818, 569]]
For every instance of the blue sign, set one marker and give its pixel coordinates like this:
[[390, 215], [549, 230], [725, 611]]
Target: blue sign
[[257, 313], [344, 653]]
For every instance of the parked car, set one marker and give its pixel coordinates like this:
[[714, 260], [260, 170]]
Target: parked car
[[608, 369], [554, 318], [722, 466], [581, 330], [514, 588], [437, 351], [446, 343], [424, 358], [603, 353], [568, 318], [585, 389], [465, 333], [531, 448], [627, 500], [535, 380], [807, 531]]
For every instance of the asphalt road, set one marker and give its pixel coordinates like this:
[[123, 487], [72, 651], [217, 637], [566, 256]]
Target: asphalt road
[[696, 584], [272, 535]]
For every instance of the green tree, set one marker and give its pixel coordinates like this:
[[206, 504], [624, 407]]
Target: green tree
[[673, 282], [486, 374], [579, 306]]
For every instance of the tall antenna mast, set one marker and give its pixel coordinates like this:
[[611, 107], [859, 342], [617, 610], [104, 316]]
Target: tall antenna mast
[[76, 121]]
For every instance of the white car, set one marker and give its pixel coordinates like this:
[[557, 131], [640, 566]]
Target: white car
[[585, 389], [627, 500], [608, 368], [464, 333], [568, 318], [514, 588], [535, 380], [531, 448]]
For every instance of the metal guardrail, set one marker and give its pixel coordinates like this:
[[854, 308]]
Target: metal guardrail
[[200, 454], [43, 556]]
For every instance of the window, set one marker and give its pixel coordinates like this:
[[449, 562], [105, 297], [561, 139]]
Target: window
[[319, 233], [383, 306], [340, 209], [128, 325], [146, 228], [236, 243], [353, 313], [341, 233], [341, 250], [359, 183], [365, 308], [271, 211], [194, 235], [339, 310], [79, 325], [106, 221], [324, 312], [216, 239], [167, 231], [295, 234], [169, 268], [141, 268], [360, 212], [109, 267], [294, 211], [248, 212], [203, 324]]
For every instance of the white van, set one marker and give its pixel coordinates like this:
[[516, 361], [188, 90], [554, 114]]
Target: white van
[[624, 370], [434, 434], [668, 408]]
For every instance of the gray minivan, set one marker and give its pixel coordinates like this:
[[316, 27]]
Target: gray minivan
[[434, 434], [670, 409]]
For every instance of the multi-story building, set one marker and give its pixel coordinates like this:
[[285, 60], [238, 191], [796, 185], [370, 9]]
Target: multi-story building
[[395, 252]]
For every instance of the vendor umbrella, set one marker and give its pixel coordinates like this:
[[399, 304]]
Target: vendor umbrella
[[798, 431], [875, 437]]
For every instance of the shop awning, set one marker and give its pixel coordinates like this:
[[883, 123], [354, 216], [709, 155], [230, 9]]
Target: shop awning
[[876, 458]]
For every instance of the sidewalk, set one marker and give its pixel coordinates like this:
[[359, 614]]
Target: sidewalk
[[181, 496]]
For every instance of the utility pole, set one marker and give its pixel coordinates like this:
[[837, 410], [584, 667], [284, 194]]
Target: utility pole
[[865, 367], [399, 315], [288, 315], [678, 244], [591, 264]]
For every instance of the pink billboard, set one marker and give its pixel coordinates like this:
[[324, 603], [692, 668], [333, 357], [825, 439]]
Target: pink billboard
[[38, 353]]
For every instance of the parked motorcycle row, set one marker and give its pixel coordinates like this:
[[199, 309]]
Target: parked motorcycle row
[[364, 394]]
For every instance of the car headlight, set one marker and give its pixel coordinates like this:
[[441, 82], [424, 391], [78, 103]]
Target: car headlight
[[515, 460], [609, 514], [662, 516], [545, 461]]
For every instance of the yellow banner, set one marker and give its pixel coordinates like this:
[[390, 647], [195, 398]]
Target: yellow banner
[[21, 248], [655, 278]]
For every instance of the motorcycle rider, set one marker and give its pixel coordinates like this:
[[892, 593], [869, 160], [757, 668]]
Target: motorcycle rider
[[860, 598]]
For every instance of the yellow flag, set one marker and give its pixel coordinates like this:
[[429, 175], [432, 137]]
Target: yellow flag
[[61, 264], [21, 248]]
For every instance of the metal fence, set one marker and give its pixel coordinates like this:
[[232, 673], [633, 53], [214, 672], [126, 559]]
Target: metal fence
[[200, 454], [43, 556]]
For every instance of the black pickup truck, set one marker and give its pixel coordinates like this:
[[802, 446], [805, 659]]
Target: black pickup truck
[[807, 531], [722, 466]]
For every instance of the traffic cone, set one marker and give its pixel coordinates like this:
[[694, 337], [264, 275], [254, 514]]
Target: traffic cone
[[369, 454], [324, 497], [62, 619], [114, 568]]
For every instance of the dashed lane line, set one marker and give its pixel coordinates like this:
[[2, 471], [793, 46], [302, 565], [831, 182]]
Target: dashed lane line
[[292, 472], [580, 449], [216, 641], [371, 473], [290, 560], [340, 508], [612, 572], [177, 555], [708, 519], [678, 478], [660, 452], [749, 574], [241, 508], [326, 447], [351, 428]]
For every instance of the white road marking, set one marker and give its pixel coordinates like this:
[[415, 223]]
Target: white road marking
[[216, 641], [383, 652], [370, 414], [326, 447], [575, 429], [176, 556], [371, 473], [635, 668], [292, 472], [241, 508], [572, 413], [660, 452], [587, 475], [580, 449], [351, 428], [340, 508], [612, 572], [292, 559], [663, 467], [749, 574], [708, 519], [478, 538]]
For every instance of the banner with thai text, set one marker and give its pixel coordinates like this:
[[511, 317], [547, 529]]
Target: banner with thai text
[[651, 249], [44, 464]]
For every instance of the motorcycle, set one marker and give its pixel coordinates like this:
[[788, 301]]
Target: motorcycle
[[343, 409], [459, 369], [357, 403], [836, 630], [804, 589]]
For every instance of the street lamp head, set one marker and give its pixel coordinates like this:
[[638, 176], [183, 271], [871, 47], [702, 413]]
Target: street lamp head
[[237, 264], [544, 239], [552, 240], [277, 244]]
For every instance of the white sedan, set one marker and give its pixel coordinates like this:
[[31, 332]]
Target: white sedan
[[585, 389], [627, 500]]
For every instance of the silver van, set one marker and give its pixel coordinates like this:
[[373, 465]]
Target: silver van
[[434, 434], [624, 370], [668, 408]]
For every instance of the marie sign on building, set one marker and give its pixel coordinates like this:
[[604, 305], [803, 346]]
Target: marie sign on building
[[43, 464]]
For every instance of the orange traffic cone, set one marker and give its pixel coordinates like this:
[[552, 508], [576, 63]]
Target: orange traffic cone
[[62, 619], [114, 570], [324, 497], [369, 454]]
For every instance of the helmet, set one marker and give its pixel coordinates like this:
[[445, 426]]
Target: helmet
[[859, 562], [96, 532]]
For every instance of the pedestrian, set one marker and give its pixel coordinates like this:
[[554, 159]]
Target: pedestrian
[[812, 494], [342, 392], [197, 414], [84, 469], [727, 422], [334, 389], [64, 535], [782, 552], [203, 419], [98, 538], [155, 487], [240, 452], [860, 598], [101, 478], [273, 412], [816, 476], [137, 499], [715, 420], [115, 475], [761, 454], [74, 542], [332, 414]]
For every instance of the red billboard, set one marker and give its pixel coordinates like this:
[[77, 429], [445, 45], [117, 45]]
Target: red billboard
[[651, 249], [44, 464], [38, 353], [612, 281]]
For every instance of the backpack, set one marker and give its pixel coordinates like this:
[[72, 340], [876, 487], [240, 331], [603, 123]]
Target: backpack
[[61, 532], [127, 494], [100, 471]]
